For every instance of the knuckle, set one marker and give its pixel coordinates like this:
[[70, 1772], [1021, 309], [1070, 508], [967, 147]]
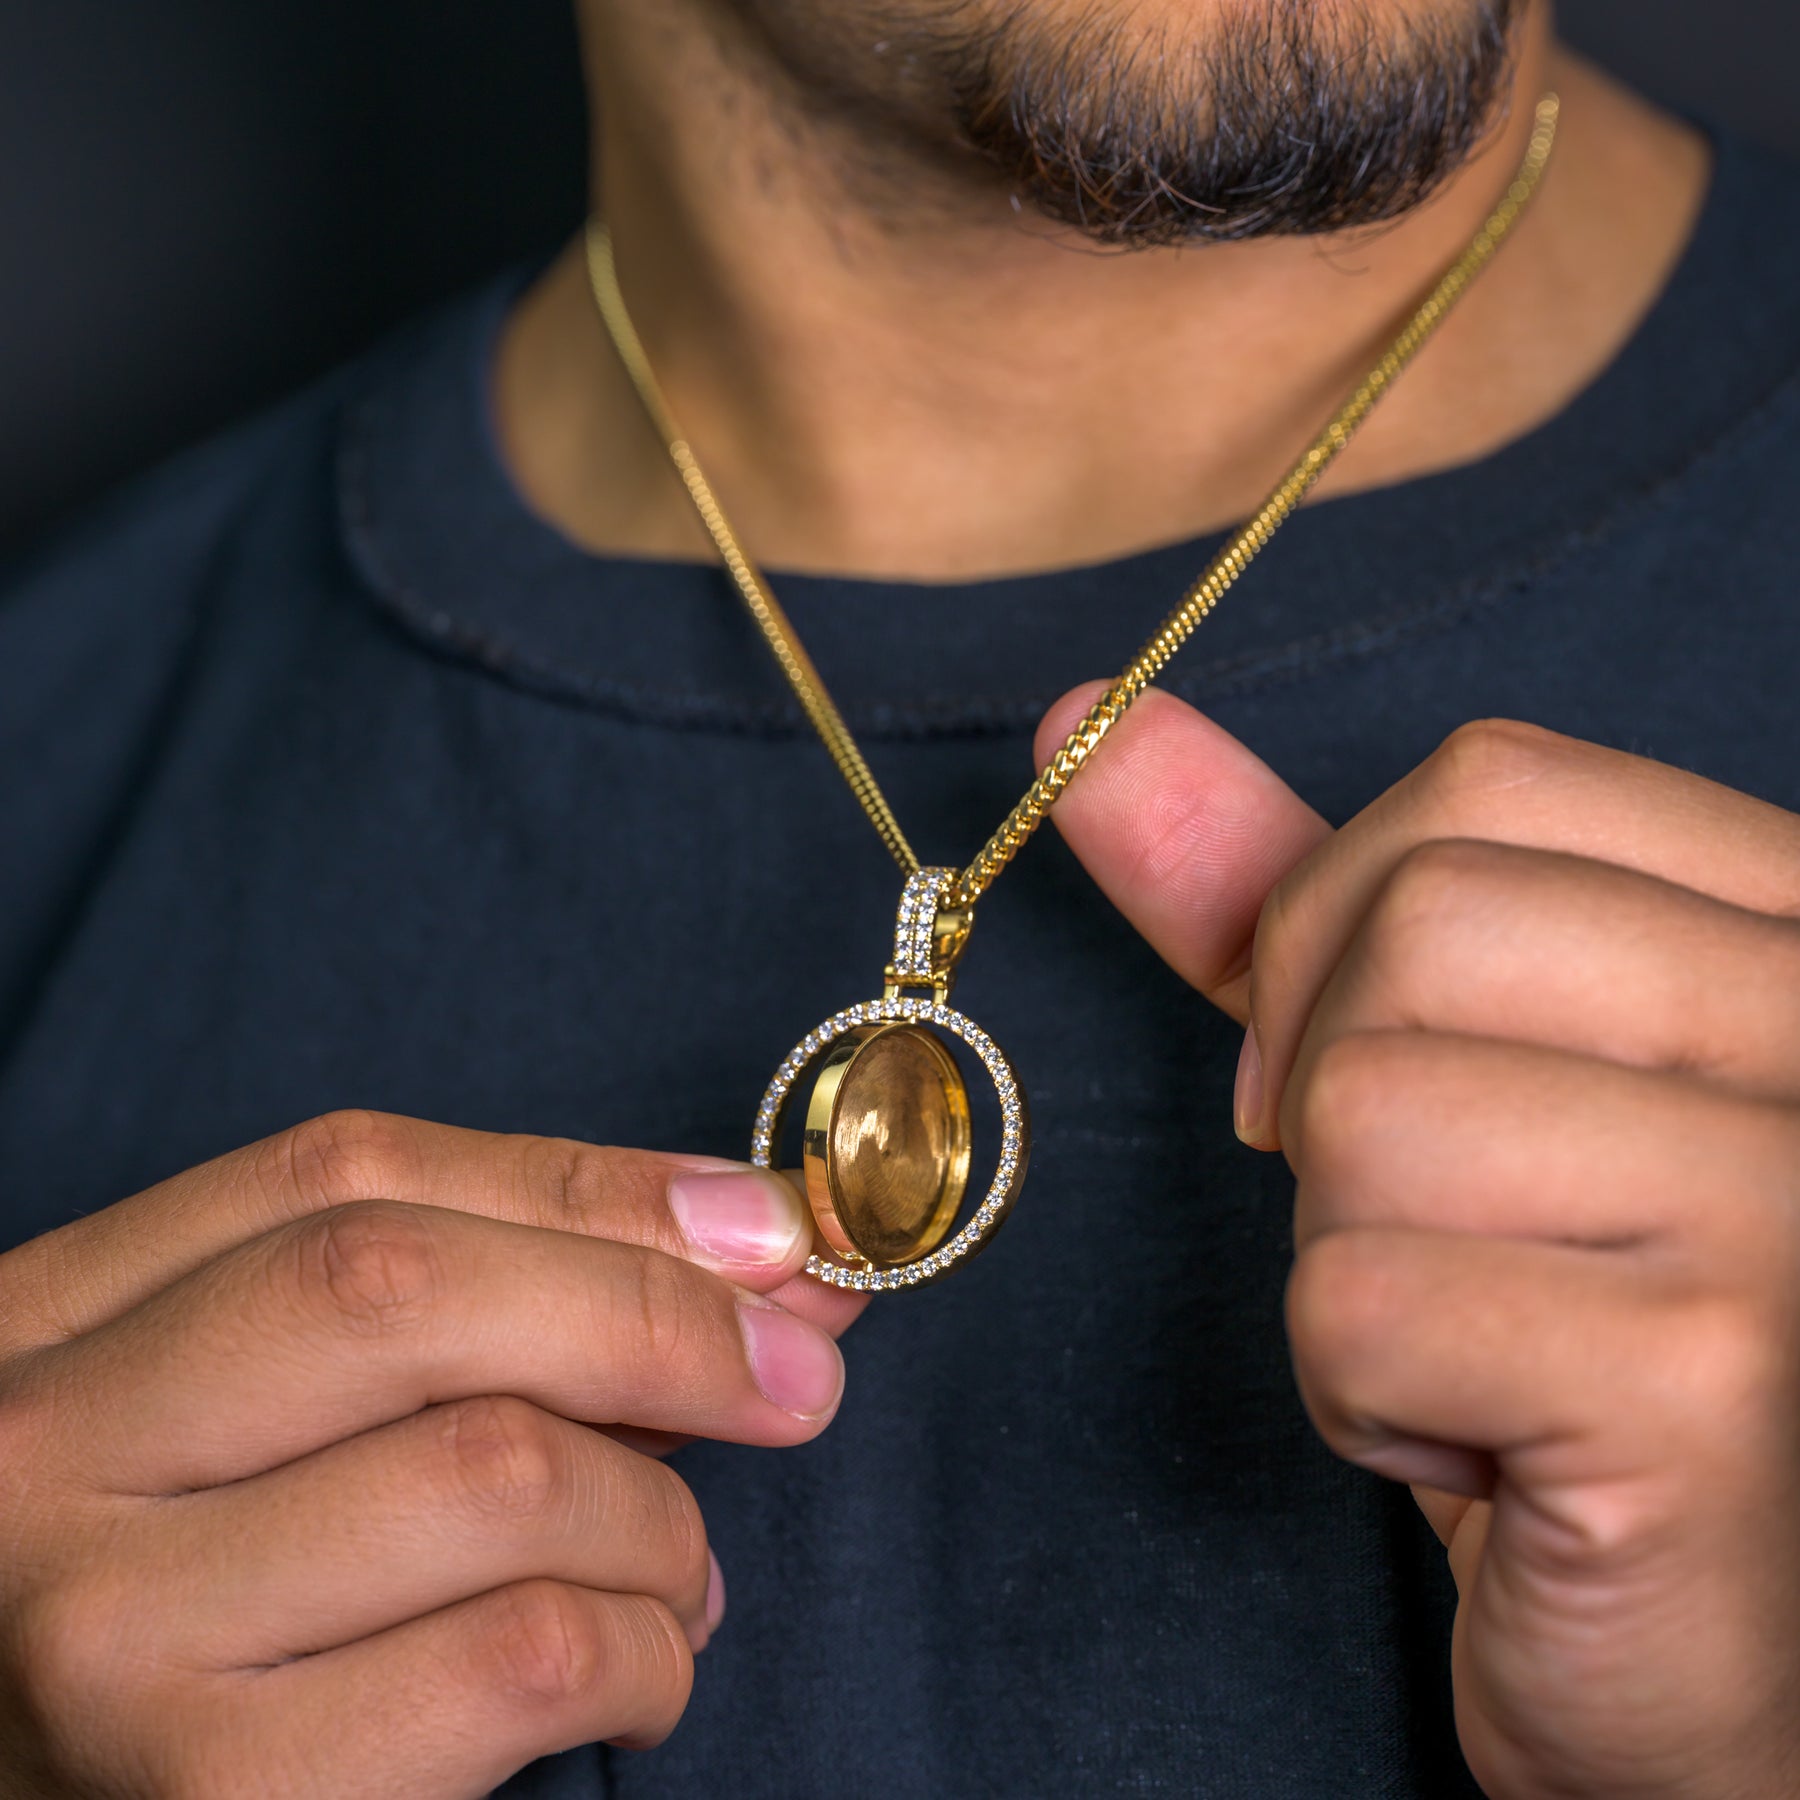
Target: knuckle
[[569, 1183], [655, 1313], [371, 1267], [675, 1517], [1348, 1092], [547, 1644], [1490, 756], [663, 1666], [1432, 882], [503, 1457], [1436, 895], [350, 1154], [1735, 1364], [1339, 1295]]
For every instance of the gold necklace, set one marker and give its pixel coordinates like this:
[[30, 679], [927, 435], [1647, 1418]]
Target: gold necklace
[[887, 1140]]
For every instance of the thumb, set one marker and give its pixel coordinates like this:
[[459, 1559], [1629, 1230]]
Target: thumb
[[1185, 831]]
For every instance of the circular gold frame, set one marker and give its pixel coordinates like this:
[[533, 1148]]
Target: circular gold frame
[[863, 1273]]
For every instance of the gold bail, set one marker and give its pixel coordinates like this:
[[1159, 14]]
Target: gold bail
[[930, 934]]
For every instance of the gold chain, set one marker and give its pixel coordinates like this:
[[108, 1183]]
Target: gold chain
[[1175, 630]]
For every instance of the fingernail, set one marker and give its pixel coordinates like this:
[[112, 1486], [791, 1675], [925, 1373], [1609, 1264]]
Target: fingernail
[[797, 1367], [1247, 1101], [715, 1594], [743, 1217]]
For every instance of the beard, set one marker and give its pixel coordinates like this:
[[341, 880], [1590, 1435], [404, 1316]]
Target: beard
[[1216, 122]]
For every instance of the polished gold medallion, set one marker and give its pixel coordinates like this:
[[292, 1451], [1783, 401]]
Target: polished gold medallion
[[887, 1145]]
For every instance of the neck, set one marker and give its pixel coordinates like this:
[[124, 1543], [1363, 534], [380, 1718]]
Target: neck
[[952, 394]]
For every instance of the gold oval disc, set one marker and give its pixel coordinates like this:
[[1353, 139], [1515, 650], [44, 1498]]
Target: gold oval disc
[[887, 1143]]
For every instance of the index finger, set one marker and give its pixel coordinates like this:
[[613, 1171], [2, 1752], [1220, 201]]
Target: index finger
[[72, 1280]]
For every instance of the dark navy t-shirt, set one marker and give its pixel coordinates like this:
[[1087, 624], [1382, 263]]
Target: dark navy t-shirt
[[333, 776]]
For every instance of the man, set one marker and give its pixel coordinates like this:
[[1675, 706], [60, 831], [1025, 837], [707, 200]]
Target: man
[[409, 752]]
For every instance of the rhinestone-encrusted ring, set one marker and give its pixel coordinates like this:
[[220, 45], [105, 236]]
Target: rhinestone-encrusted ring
[[1015, 1136]]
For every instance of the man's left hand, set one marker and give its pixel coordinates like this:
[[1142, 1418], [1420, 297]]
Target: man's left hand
[[1528, 1030]]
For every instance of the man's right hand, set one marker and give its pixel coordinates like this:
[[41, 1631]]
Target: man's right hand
[[299, 1487]]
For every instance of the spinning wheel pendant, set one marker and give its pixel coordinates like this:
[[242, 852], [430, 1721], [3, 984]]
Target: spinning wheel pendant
[[887, 1135]]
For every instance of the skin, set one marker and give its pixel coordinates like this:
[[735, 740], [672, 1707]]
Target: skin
[[1527, 1032], [848, 368], [299, 1482], [333, 1466]]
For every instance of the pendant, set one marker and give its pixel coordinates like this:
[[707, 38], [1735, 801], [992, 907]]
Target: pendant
[[887, 1138]]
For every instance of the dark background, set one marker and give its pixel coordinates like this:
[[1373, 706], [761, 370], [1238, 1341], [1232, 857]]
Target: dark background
[[205, 202]]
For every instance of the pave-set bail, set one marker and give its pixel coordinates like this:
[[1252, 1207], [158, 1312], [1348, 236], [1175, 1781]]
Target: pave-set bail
[[930, 934]]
